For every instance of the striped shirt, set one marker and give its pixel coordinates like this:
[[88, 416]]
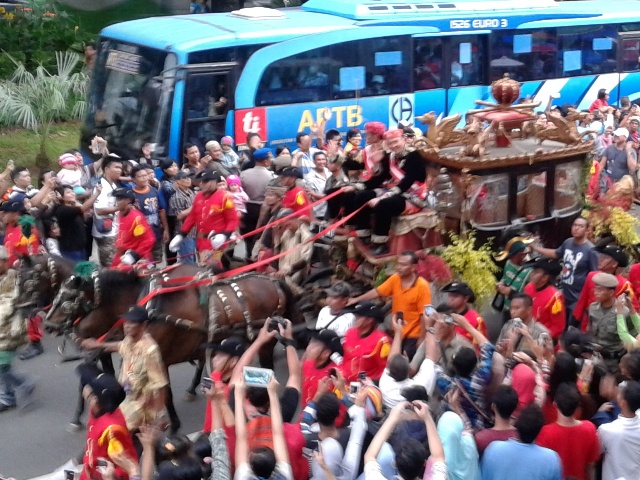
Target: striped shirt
[[179, 202]]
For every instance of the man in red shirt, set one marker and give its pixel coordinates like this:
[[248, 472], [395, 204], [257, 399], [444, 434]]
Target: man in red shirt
[[459, 297], [548, 302], [575, 442], [296, 198], [21, 235], [318, 361], [365, 347], [135, 238], [610, 260], [108, 437], [214, 215]]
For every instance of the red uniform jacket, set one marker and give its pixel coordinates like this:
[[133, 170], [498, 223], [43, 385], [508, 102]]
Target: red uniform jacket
[[587, 297], [108, 437], [296, 199], [17, 244], [311, 375], [634, 279], [215, 213], [476, 322], [548, 308], [368, 354], [134, 233]]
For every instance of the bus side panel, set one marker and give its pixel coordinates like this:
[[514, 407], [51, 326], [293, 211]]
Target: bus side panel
[[629, 85], [279, 124], [462, 99], [175, 140], [430, 100]]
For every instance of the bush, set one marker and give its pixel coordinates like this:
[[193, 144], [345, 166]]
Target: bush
[[33, 33]]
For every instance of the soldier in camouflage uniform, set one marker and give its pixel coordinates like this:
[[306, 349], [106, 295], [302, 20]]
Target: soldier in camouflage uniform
[[13, 334]]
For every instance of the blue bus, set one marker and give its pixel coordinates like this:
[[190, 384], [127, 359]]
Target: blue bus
[[193, 78]]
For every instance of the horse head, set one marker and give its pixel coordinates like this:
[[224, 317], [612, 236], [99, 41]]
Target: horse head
[[72, 301]]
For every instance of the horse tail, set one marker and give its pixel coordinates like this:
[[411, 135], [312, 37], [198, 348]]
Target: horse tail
[[291, 310]]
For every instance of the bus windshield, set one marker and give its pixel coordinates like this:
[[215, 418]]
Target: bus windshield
[[130, 100]]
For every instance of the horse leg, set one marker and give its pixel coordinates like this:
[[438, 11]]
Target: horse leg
[[266, 354], [171, 409], [190, 396]]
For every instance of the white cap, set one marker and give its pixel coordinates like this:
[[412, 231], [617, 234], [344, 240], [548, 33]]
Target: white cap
[[377, 79], [621, 132], [635, 118]]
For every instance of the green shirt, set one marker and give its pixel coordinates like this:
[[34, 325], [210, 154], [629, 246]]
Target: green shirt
[[514, 280], [6, 356]]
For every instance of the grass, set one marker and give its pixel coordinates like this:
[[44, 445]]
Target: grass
[[23, 145]]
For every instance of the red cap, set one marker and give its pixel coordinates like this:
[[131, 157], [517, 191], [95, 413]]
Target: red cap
[[375, 128], [397, 133]]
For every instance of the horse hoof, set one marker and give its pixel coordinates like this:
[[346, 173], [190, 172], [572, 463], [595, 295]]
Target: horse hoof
[[189, 397], [74, 427]]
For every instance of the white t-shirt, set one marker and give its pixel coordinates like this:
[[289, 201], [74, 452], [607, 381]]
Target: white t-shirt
[[392, 389], [105, 200], [338, 323], [305, 163], [620, 444], [244, 472], [333, 454]]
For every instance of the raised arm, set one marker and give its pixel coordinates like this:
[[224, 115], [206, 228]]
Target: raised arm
[[277, 426], [246, 360], [242, 448], [385, 432], [462, 322], [435, 445], [293, 361]]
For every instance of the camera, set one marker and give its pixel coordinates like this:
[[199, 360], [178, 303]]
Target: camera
[[429, 310], [275, 322], [362, 376], [448, 319], [354, 388]]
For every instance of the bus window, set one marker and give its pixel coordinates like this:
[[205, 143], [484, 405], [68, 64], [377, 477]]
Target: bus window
[[630, 54], [385, 63], [300, 78], [427, 55], [567, 187], [207, 102], [586, 50], [523, 54], [467, 59]]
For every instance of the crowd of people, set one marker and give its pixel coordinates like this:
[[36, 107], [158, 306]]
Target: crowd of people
[[413, 390]]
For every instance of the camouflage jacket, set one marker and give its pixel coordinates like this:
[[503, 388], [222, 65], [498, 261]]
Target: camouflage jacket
[[13, 328]]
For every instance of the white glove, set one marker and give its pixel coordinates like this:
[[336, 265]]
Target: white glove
[[217, 240], [174, 245], [128, 258], [233, 238]]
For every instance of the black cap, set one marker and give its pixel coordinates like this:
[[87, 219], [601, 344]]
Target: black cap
[[136, 314], [106, 387], [615, 252], [13, 206], [183, 174], [549, 265], [367, 308], [294, 172], [232, 346], [339, 289], [461, 288], [124, 193], [329, 339], [207, 176]]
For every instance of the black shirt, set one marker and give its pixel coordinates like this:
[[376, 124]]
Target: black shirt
[[72, 228]]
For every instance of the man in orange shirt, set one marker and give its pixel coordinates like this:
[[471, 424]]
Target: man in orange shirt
[[459, 297], [409, 294]]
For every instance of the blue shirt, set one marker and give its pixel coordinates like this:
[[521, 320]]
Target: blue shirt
[[150, 203], [524, 461]]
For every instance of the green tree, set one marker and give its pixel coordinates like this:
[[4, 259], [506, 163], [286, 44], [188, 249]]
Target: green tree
[[37, 100]]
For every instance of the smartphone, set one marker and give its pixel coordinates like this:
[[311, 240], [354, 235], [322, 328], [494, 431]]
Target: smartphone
[[400, 318], [216, 376], [518, 323], [354, 388], [543, 338], [333, 372], [101, 462], [206, 383], [257, 377], [70, 474], [448, 319], [429, 310], [362, 376]]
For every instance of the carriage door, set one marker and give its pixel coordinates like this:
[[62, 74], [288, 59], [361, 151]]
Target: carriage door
[[207, 100], [628, 64]]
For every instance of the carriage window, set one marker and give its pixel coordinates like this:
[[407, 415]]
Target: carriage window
[[531, 190], [467, 59], [630, 54], [586, 50], [377, 66], [428, 63], [490, 200], [567, 187], [300, 78], [523, 54]]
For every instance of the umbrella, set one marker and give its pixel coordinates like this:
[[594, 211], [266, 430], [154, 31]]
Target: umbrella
[[506, 62]]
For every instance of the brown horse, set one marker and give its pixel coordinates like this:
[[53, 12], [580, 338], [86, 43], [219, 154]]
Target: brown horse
[[182, 320], [39, 279]]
